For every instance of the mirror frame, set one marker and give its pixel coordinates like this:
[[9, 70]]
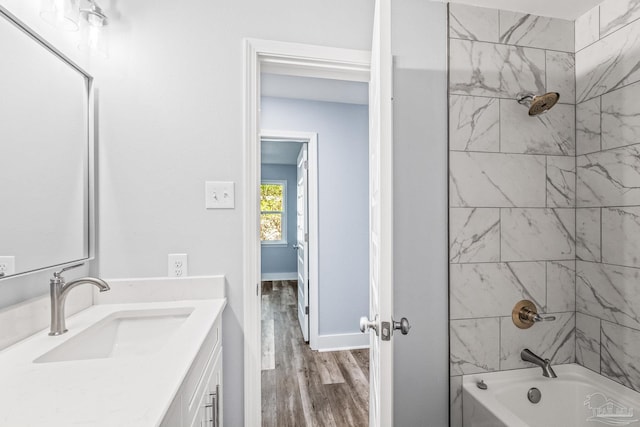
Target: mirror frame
[[90, 225]]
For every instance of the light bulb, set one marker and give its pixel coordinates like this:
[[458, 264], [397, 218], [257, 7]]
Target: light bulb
[[62, 14]]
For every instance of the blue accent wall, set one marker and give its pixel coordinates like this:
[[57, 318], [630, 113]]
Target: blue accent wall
[[279, 258], [343, 200]]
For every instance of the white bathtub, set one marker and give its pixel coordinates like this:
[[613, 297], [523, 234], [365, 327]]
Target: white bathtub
[[577, 398]]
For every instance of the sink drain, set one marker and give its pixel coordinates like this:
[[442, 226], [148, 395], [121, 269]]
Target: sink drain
[[534, 395]]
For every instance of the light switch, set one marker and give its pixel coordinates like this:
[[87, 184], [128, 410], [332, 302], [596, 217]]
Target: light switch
[[219, 195]]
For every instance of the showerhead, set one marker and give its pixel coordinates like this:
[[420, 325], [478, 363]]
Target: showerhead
[[538, 104]]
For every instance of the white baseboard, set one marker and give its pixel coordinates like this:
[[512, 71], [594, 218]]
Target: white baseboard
[[342, 342], [280, 276]]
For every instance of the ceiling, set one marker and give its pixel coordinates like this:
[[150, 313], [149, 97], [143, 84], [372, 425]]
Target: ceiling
[[314, 89], [280, 152], [564, 9]]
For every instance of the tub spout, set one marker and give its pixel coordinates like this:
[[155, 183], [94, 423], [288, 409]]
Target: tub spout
[[529, 356]]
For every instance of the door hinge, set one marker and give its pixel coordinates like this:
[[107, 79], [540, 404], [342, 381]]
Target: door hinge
[[306, 310], [306, 237], [257, 289], [306, 164]]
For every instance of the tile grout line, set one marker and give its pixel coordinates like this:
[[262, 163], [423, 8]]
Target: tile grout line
[[500, 343], [506, 98], [508, 317], [522, 46], [511, 153], [499, 125], [546, 182], [546, 286], [601, 224], [500, 236], [600, 117], [575, 189], [600, 347]]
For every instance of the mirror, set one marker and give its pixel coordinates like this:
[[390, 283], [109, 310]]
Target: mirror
[[45, 150]]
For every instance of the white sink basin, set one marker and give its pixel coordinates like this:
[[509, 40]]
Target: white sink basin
[[121, 334]]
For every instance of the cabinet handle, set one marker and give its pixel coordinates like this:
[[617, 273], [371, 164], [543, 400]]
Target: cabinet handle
[[215, 407]]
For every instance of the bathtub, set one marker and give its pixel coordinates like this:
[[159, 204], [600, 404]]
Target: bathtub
[[577, 398]]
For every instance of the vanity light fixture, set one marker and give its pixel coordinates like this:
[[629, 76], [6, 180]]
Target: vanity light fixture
[[94, 15], [62, 14], [92, 27], [65, 14]]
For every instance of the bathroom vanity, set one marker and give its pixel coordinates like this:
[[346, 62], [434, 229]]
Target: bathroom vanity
[[146, 353]]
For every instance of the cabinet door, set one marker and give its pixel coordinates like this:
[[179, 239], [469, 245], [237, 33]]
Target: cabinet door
[[200, 418], [215, 393]]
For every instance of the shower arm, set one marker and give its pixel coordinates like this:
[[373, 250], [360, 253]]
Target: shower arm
[[525, 98]]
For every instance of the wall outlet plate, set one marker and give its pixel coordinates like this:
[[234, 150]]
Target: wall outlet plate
[[7, 265], [219, 195], [177, 265]]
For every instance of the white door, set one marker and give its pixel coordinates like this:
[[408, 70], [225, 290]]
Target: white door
[[302, 244], [381, 221]]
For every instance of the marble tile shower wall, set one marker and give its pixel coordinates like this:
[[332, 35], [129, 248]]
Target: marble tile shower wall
[[512, 190], [608, 191]]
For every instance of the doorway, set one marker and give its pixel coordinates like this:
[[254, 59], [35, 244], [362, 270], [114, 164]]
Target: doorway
[[289, 234], [405, 389], [298, 377], [310, 61]]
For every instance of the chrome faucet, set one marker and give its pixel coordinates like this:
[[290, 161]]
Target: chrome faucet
[[60, 290], [547, 371]]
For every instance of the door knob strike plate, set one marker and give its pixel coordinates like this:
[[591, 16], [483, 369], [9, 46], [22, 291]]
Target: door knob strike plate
[[386, 331]]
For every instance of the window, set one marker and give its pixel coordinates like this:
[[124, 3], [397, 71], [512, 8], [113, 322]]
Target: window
[[273, 214]]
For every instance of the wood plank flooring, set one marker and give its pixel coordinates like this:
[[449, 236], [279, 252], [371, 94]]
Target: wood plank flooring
[[301, 387]]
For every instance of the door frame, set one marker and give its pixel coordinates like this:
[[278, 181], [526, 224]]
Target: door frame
[[282, 58], [311, 139]]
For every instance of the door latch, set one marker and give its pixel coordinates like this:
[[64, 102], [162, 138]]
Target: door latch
[[386, 328], [386, 331]]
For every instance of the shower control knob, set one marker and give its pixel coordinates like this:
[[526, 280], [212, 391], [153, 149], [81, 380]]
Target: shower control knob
[[403, 326]]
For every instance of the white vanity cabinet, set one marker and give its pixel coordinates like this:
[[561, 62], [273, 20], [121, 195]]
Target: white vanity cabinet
[[208, 402], [162, 371], [198, 402]]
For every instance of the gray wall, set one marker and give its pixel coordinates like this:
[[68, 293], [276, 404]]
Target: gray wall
[[419, 47], [608, 200], [343, 194], [512, 190], [171, 119], [277, 258]]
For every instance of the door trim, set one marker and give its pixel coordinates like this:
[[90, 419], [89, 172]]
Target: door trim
[[311, 139], [284, 58]]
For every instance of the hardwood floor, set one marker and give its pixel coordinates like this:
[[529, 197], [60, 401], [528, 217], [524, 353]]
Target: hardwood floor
[[301, 387]]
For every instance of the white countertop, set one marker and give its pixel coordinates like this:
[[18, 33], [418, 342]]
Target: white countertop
[[116, 392]]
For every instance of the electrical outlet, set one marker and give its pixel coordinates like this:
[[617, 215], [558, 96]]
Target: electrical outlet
[[219, 195], [7, 265], [178, 265]]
